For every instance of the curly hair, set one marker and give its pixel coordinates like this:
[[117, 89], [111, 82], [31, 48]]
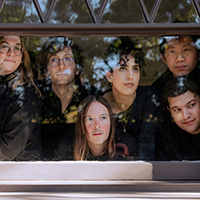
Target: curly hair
[[55, 45], [125, 46]]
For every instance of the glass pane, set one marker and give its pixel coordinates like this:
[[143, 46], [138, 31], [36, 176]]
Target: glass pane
[[176, 11], [70, 12], [96, 5], [21, 11], [44, 5], [149, 5], [122, 12]]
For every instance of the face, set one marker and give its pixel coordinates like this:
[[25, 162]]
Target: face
[[97, 124], [185, 110], [61, 74], [125, 77], [9, 61], [180, 56]]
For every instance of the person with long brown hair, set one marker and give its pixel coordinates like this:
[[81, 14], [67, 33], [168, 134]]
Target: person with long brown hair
[[94, 130], [20, 109]]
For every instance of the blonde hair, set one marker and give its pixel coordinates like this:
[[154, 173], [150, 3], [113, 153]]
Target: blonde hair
[[81, 147]]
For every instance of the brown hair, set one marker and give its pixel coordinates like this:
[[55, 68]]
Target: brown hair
[[23, 74], [81, 147]]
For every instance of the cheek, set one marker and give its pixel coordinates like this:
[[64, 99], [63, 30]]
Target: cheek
[[106, 127]]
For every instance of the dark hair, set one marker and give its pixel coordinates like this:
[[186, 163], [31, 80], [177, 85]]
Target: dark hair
[[125, 46], [55, 45], [178, 86], [166, 39], [81, 147]]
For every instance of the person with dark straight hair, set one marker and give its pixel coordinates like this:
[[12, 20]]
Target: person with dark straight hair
[[182, 100]]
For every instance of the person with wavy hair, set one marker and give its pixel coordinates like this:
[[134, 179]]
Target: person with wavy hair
[[137, 109], [20, 110], [61, 60], [94, 130]]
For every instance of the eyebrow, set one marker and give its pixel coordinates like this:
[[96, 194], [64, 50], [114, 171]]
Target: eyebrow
[[8, 43], [185, 104]]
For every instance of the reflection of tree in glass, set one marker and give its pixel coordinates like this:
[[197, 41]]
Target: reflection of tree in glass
[[70, 12], [19, 11], [122, 12], [176, 11]]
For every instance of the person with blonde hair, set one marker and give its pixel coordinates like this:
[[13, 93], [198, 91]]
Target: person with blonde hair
[[20, 110]]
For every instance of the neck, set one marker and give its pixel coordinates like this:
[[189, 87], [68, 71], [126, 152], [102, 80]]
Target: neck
[[121, 102], [97, 149], [64, 93]]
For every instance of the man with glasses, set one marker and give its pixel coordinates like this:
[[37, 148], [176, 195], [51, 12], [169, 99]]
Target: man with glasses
[[62, 91]]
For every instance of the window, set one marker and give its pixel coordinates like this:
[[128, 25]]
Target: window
[[94, 25]]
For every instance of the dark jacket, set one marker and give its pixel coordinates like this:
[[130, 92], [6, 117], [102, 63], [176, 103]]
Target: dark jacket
[[20, 113], [54, 122], [173, 143]]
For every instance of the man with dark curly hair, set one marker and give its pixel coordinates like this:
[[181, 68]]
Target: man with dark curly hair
[[62, 91]]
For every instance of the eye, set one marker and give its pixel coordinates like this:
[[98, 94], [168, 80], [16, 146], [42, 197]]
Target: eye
[[176, 110], [88, 119], [192, 105], [122, 68], [187, 49], [4, 46], [172, 51], [135, 69], [18, 48], [103, 117], [54, 59], [67, 59]]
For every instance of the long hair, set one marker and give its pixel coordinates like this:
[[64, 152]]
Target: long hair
[[81, 147], [23, 74]]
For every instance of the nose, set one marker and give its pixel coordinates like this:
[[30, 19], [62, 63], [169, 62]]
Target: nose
[[61, 64], [10, 51], [185, 114], [180, 57], [129, 75], [97, 124]]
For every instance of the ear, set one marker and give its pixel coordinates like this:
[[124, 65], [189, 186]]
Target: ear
[[77, 71], [163, 58], [46, 73], [169, 110], [109, 77]]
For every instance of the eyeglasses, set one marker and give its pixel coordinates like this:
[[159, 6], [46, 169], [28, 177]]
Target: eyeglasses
[[67, 60], [5, 48]]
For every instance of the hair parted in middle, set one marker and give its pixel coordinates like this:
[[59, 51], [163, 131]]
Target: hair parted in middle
[[81, 147]]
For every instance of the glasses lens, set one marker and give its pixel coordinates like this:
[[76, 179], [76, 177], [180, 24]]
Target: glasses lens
[[18, 50], [67, 60], [4, 48], [54, 62]]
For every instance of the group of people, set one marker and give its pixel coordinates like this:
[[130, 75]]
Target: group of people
[[61, 118]]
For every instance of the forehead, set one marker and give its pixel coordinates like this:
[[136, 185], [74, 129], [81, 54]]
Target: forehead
[[66, 50], [180, 41], [183, 99], [128, 57], [96, 108], [11, 39]]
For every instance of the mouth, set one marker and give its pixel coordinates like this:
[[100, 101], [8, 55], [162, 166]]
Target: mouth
[[61, 74], [180, 67], [130, 85], [188, 123], [8, 60], [97, 134]]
